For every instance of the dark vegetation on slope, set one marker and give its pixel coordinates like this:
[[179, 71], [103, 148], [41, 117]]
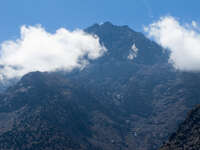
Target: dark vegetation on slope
[[187, 137]]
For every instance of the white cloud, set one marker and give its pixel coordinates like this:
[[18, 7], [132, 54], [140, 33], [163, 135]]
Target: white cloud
[[194, 24], [182, 40], [38, 50]]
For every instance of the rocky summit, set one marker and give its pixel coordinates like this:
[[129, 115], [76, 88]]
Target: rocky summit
[[130, 98]]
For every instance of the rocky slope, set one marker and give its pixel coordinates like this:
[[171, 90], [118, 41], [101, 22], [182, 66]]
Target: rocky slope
[[116, 102], [187, 136]]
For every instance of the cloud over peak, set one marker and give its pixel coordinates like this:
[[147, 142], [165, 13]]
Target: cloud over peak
[[38, 50], [183, 40]]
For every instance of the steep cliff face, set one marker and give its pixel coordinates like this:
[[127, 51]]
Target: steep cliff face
[[131, 98], [187, 137]]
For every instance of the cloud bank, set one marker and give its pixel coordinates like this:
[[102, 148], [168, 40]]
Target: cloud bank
[[182, 40], [38, 50]]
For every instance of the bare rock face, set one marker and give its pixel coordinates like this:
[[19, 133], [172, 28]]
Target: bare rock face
[[187, 137]]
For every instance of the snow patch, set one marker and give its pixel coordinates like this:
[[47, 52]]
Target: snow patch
[[133, 52]]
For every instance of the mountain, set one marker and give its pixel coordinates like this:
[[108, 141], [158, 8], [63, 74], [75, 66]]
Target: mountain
[[130, 98], [187, 135], [119, 41]]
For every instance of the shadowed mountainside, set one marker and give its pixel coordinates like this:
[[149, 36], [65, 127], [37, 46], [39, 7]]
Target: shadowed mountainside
[[188, 134]]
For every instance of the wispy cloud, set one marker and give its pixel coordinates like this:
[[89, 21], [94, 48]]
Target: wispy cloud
[[182, 40], [38, 50]]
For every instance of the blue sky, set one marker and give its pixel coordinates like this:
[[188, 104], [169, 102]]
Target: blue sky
[[71, 14], [50, 47]]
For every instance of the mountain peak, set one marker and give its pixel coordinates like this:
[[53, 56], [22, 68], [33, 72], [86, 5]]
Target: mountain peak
[[109, 26], [107, 23], [119, 41]]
